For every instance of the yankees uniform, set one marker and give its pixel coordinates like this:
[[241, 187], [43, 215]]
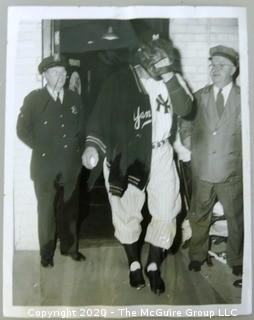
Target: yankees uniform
[[162, 187], [130, 127]]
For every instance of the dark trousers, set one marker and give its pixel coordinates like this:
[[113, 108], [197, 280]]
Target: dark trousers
[[204, 196], [57, 217]]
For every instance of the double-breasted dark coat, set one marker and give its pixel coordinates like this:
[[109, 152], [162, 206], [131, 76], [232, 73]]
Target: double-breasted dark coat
[[55, 133]]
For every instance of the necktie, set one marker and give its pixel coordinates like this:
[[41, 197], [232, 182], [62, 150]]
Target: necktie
[[220, 103], [58, 99]]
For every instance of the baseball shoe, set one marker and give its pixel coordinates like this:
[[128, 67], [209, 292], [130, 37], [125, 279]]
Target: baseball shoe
[[136, 279], [157, 284]]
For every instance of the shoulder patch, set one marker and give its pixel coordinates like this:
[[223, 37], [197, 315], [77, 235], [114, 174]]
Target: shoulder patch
[[74, 109]]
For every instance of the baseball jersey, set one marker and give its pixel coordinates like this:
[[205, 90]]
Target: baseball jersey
[[161, 108]]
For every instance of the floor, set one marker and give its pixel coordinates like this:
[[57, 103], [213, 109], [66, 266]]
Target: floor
[[103, 280]]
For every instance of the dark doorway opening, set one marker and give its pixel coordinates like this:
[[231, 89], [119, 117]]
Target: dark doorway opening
[[95, 214]]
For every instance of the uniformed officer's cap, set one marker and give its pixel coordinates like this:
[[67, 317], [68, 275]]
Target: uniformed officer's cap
[[52, 61], [225, 52]]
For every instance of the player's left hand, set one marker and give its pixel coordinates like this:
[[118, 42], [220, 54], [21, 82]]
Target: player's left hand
[[155, 59], [164, 69]]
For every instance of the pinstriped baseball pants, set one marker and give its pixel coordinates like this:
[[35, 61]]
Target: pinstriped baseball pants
[[164, 203]]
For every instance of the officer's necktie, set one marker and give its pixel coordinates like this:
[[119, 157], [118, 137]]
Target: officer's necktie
[[220, 103], [58, 98]]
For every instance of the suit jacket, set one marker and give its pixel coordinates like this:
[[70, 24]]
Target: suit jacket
[[55, 132], [216, 142]]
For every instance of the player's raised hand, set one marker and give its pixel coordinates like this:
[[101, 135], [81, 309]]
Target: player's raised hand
[[157, 57]]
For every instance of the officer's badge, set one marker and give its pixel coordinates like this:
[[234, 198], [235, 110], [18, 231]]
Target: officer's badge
[[74, 110], [155, 37]]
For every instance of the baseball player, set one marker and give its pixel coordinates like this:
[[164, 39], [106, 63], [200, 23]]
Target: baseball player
[[51, 123], [130, 129]]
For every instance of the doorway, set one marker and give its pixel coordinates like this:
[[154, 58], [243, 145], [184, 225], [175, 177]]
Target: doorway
[[94, 49]]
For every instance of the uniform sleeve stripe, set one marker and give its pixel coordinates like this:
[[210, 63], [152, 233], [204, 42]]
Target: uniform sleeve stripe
[[116, 188], [97, 141], [134, 178]]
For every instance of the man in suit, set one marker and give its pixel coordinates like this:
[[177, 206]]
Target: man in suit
[[51, 123], [217, 160]]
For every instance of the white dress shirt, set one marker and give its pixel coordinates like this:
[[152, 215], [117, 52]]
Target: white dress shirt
[[225, 91], [55, 94]]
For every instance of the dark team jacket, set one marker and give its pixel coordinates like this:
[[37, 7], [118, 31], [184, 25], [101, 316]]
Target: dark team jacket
[[55, 132], [120, 127]]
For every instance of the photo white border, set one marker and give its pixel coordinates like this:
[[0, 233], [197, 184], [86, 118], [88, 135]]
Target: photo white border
[[18, 13]]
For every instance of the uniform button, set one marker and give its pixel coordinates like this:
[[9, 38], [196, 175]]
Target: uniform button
[[214, 133], [61, 116], [43, 154], [62, 125], [64, 136], [65, 146], [45, 122]]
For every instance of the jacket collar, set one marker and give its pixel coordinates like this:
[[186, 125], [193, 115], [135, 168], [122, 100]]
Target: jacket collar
[[208, 104]]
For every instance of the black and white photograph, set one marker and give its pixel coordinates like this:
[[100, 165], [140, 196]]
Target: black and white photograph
[[127, 188]]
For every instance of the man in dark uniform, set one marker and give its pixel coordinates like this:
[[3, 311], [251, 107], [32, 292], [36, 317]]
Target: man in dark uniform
[[51, 122]]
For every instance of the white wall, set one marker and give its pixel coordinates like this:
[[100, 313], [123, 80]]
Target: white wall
[[194, 37], [28, 56]]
